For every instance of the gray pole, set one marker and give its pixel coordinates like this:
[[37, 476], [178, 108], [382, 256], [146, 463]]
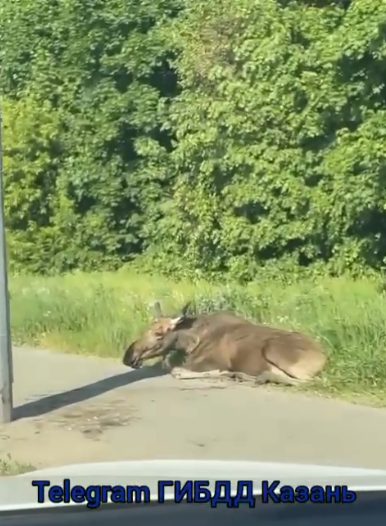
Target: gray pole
[[6, 373]]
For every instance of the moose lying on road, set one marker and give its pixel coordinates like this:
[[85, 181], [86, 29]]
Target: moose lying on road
[[224, 344]]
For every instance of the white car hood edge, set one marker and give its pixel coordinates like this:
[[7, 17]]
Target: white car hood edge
[[17, 493]]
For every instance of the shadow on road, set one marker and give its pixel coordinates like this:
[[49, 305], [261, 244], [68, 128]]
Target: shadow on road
[[81, 394]]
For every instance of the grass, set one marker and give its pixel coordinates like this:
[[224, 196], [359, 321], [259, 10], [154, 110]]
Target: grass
[[9, 467], [100, 314]]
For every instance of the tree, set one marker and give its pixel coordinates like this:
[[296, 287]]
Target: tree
[[98, 68], [280, 144]]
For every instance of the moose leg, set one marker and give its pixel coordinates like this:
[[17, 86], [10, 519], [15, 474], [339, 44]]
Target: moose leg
[[180, 373], [279, 377], [276, 376], [167, 364], [171, 361], [200, 367], [243, 377]]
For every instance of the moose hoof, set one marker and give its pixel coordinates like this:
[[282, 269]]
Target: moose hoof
[[180, 374]]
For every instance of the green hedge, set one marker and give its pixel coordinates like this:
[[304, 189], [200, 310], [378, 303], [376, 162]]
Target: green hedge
[[196, 138]]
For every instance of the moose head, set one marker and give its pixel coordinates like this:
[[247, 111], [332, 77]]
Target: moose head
[[151, 343]]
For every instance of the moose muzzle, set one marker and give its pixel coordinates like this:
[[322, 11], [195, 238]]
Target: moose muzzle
[[132, 357]]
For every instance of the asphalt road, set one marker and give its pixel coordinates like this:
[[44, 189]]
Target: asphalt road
[[81, 409]]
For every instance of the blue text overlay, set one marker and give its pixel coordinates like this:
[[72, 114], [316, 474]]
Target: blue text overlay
[[193, 491]]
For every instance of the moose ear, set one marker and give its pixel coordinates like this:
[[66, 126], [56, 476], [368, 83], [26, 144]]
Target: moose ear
[[185, 309], [157, 309], [178, 319], [175, 321]]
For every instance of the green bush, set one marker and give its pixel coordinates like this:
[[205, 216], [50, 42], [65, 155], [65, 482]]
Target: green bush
[[200, 138]]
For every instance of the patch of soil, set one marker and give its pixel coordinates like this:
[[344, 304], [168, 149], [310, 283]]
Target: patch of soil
[[92, 419]]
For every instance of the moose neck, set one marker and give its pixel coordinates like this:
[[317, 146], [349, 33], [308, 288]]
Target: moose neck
[[180, 340], [185, 340]]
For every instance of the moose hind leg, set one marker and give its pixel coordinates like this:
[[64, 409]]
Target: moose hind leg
[[276, 376]]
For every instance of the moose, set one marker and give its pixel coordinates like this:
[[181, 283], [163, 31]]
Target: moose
[[223, 344]]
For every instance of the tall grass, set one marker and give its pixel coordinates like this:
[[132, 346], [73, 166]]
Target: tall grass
[[101, 313]]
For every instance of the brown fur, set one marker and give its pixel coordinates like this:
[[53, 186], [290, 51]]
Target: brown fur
[[230, 346]]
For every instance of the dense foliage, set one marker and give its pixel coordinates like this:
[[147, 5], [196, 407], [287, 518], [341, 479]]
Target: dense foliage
[[194, 137]]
